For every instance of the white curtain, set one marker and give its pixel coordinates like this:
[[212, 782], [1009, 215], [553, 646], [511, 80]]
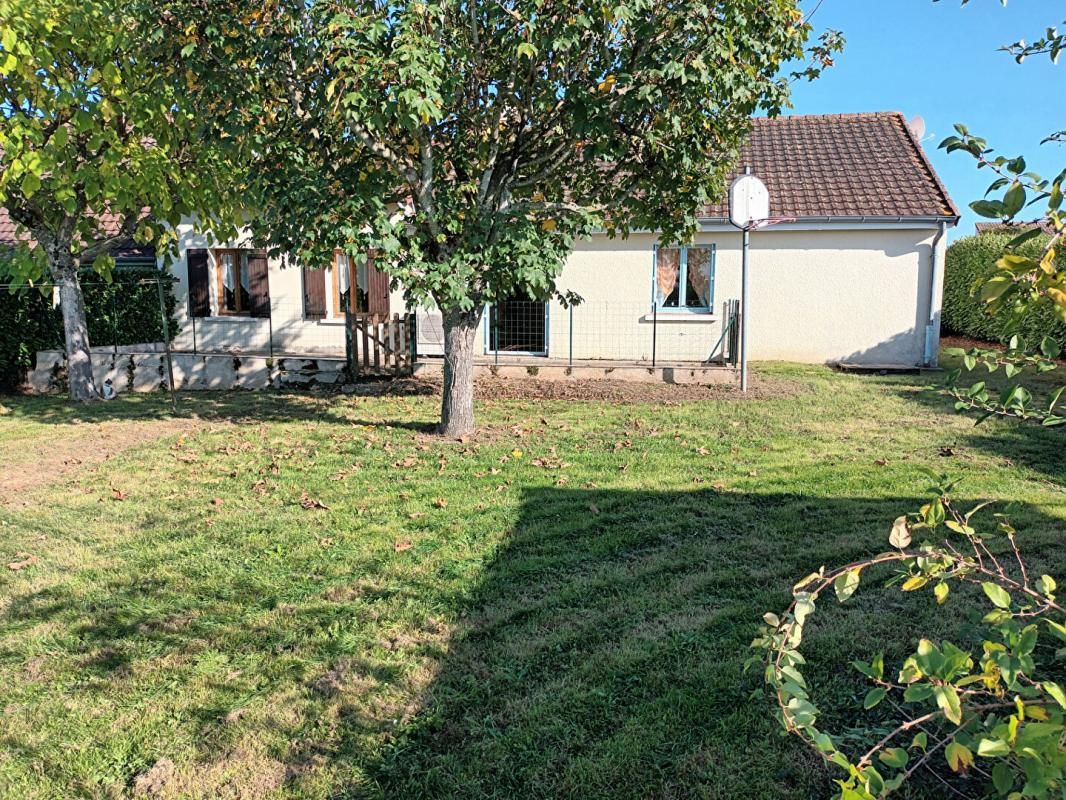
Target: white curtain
[[227, 271], [344, 273]]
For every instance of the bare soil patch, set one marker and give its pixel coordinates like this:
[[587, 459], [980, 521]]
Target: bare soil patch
[[72, 447], [597, 390]]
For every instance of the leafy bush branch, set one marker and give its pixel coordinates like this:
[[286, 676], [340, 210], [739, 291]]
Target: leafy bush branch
[[1015, 400], [995, 718]]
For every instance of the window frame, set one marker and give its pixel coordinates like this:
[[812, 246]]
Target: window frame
[[338, 311], [682, 278], [220, 287]]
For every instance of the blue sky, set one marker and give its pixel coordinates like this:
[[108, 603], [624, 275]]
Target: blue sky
[[941, 61]]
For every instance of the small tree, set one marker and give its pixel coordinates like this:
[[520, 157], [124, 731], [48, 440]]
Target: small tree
[[1019, 281], [98, 148], [469, 144]]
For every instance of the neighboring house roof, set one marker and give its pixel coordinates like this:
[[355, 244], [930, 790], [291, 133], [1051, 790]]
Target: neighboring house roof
[[842, 165], [1015, 227], [110, 225]]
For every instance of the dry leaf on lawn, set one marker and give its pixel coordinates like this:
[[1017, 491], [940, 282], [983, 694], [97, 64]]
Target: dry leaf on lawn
[[308, 502], [28, 560], [401, 545]]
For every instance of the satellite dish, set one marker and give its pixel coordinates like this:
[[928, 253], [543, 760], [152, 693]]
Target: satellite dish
[[749, 200], [917, 126]]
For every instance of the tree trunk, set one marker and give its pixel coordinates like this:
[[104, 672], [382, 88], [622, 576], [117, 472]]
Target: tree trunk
[[76, 333], [457, 405]]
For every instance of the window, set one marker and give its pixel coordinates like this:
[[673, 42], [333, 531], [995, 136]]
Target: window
[[350, 286], [684, 278], [234, 282]]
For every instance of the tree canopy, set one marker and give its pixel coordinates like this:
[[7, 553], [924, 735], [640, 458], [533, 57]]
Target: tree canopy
[[99, 147], [468, 143]]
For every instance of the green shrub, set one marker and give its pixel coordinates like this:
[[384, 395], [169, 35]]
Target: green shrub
[[28, 323], [122, 312], [969, 262]]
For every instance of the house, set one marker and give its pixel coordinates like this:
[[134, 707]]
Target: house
[[850, 271]]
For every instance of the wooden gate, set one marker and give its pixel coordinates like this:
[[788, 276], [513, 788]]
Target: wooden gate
[[380, 345]]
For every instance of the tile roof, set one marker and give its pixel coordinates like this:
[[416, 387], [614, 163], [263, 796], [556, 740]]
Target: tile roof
[[839, 165], [111, 223], [842, 165]]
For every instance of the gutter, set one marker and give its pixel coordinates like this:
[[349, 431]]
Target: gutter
[[932, 326], [863, 221]]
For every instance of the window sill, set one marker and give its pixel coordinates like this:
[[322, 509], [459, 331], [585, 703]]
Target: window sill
[[231, 317], [681, 316]]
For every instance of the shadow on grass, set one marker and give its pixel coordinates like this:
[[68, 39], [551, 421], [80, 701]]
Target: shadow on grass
[[234, 406], [601, 655], [598, 655], [1018, 443]]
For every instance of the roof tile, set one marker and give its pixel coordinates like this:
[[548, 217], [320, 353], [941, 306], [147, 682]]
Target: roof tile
[[841, 165]]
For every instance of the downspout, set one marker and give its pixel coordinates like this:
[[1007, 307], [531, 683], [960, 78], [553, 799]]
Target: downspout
[[929, 358]]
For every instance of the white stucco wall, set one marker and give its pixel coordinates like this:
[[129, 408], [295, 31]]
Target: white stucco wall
[[291, 332], [816, 296]]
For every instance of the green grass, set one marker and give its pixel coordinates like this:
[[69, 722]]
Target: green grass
[[462, 620]]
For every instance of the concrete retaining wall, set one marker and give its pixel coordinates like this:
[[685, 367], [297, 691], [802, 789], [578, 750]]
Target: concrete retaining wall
[[144, 369]]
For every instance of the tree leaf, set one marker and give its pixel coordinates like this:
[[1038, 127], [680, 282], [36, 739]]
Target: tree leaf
[[1055, 691], [846, 584], [873, 697], [894, 757], [947, 698], [997, 594], [959, 757], [900, 536]]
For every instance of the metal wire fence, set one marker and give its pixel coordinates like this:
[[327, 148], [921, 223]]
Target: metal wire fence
[[608, 331]]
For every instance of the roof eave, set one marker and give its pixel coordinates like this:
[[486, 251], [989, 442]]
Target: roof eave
[[834, 220]]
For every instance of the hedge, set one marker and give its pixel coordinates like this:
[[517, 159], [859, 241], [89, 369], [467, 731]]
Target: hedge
[[122, 312], [969, 262]]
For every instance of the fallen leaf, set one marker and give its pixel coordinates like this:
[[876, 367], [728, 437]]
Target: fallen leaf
[[216, 502], [327, 542], [441, 502], [401, 545], [308, 502], [416, 514], [118, 494], [703, 451], [406, 463], [594, 508], [881, 462], [28, 560], [753, 474], [516, 453], [945, 452]]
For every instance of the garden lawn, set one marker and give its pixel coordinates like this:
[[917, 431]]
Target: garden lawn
[[309, 596]]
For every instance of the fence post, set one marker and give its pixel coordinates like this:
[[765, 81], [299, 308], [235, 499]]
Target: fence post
[[114, 320], [571, 359], [166, 342], [412, 332], [495, 319], [270, 328], [654, 330]]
